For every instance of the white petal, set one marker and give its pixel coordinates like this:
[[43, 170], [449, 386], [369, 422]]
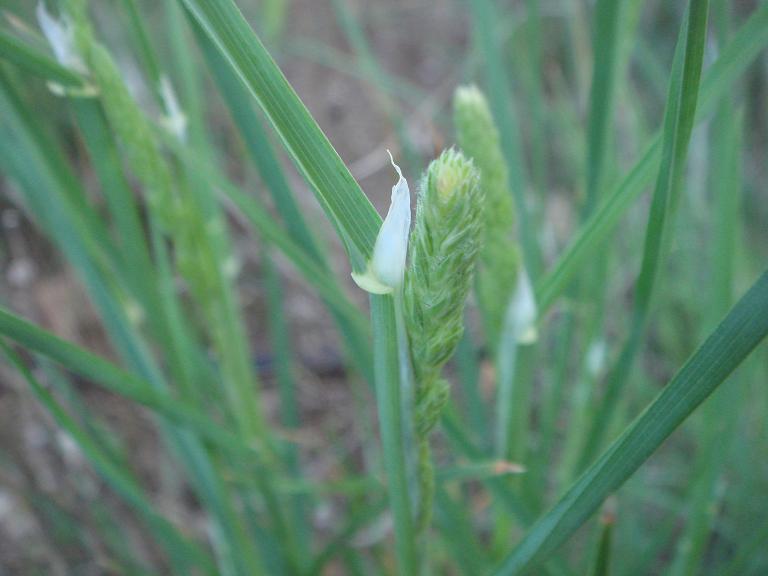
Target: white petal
[[522, 310], [596, 357], [387, 267], [61, 37], [175, 121]]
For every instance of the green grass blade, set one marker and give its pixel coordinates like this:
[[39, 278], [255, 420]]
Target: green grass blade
[[33, 62], [355, 219], [263, 222], [346, 206], [534, 78], [745, 326], [741, 51], [120, 199], [454, 523], [388, 402], [485, 20], [109, 376], [602, 565], [289, 410], [144, 47], [266, 161], [720, 415], [185, 554], [601, 101], [678, 124], [43, 177], [373, 74]]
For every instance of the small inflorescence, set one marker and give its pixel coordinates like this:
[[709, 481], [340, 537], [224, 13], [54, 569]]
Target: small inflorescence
[[444, 246], [499, 259]]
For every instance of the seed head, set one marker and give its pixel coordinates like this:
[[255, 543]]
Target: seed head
[[499, 261], [444, 247]]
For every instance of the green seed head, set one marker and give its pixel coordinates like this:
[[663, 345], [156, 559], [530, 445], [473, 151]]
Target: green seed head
[[479, 139], [443, 250]]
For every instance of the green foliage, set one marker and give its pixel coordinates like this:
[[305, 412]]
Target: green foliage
[[549, 172]]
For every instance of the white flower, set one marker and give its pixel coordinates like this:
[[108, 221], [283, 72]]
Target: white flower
[[175, 121], [522, 311], [596, 357], [61, 36], [387, 266]]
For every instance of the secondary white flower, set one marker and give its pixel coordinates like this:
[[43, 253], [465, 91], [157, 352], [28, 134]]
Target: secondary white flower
[[596, 357], [175, 121], [522, 311], [387, 266], [61, 36]]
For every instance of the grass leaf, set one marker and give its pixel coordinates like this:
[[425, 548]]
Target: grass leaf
[[745, 326], [354, 217]]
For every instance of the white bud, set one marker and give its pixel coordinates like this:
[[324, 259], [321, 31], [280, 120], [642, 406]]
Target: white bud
[[61, 36], [596, 357], [175, 121], [522, 311], [387, 266]]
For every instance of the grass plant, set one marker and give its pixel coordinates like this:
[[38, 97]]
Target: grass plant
[[563, 369]]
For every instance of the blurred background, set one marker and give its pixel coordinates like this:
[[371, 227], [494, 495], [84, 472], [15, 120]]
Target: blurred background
[[376, 76]]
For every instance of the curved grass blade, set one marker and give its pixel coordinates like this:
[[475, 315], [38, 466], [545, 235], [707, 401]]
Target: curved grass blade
[[45, 180], [249, 124], [354, 217], [110, 377], [263, 222], [678, 124], [280, 336], [744, 327], [740, 52], [602, 96], [500, 95], [33, 62]]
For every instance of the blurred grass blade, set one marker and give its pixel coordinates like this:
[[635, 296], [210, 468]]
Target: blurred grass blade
[[601, 97], [33, 62], [316, 275], [257, 143], [602, 566], [718, 424], [56, 199], [185, 555], [109, 376], [500, 95], [373, 73], [740, 52], [679, 117], [354, 217], [280, 336], [745, 326], [144, 47]]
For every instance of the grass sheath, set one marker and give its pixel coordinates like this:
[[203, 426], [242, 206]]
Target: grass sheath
[[389, 405]]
